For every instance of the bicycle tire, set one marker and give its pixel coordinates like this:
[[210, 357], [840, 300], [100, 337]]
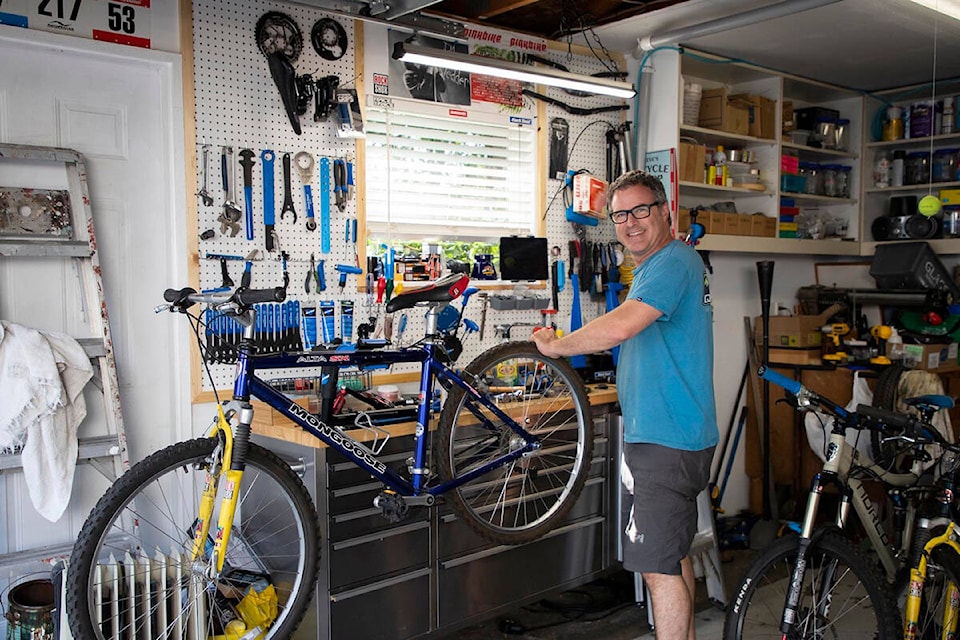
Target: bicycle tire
[[943, 568], [150, 511], [523, 500], [755, 612], [885, 396]]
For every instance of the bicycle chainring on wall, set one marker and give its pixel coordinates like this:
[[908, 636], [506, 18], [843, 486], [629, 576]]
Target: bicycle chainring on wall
[[277, 32], [329, 39]]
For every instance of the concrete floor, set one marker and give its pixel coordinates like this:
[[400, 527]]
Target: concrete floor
[[604, 610]]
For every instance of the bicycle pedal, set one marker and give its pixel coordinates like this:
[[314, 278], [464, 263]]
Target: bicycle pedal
[[392, 506]]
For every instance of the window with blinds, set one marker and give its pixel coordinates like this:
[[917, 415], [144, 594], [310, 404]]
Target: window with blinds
[[441, 177]]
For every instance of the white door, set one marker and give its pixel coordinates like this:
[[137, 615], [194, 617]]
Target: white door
[[122, 109]]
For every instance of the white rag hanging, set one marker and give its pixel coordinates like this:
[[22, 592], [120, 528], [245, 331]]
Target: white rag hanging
[[42, 376]]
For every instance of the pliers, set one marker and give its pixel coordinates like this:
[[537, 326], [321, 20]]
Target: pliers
[[316, 273]]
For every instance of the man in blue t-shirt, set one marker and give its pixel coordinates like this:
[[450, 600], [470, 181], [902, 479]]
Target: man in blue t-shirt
[[665, 387]]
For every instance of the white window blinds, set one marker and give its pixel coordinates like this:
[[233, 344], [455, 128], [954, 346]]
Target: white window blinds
[[433, 176]]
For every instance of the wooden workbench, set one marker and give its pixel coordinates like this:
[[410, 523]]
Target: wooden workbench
[[272, 424]]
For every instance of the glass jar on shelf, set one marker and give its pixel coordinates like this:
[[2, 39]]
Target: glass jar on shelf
[[944, 165], [842, 134], [829, 175], [810, 171], [917, 168], [843, 181], [882, 169], [825, 131]]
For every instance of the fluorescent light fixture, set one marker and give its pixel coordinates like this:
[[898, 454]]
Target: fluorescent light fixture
[[947, 7], [406, 52]]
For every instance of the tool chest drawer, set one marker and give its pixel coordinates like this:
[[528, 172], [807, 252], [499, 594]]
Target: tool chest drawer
[[391, 609], [375, 555]]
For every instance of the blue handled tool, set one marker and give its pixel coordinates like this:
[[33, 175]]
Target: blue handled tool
[[266, 159], [325, 205]]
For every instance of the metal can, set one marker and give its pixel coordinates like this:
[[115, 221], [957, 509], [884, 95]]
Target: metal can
[[944, 165], [917, 168]]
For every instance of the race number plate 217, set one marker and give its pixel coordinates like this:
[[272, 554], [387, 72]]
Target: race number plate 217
[[120, 21]]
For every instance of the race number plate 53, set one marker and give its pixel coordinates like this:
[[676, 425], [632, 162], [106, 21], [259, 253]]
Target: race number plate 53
[[121, 21]]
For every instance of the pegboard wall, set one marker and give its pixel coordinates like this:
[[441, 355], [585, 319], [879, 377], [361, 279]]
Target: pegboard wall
[[238, 106]]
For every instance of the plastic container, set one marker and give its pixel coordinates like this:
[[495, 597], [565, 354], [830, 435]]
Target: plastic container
[[949, 116], [842, 134], [893, 124], [692, 94], [811, 172], [826, 132], [882, 169], [828, 174], [843, 181], [895, 345], [792, 183], [943, 167], [951, 222], [917, 168], [897, 168], [921, 119]]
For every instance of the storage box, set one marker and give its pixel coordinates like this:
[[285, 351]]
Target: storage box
[[683, 220], [731, 224], [950, 197], [786, 116], [792, 184], [806, 118], [589, 195], [910, 265], [790, 164], [761, 115], [796, 331], [692, 160], [717, 111], [811, 355], [763, 227], [744, 224], [930, 356]]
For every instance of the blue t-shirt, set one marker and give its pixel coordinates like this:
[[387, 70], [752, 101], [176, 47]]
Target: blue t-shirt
[[665, 372]]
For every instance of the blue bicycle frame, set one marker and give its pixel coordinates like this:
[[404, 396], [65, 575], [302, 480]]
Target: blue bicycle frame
[[247, 384]]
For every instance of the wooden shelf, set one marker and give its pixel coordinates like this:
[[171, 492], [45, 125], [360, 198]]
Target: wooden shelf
[[817, 152], [753, 244]]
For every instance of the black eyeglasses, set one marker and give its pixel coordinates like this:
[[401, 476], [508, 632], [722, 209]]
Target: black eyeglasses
[[639, 212]]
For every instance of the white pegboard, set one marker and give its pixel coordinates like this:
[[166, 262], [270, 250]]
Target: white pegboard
[[238, 105]]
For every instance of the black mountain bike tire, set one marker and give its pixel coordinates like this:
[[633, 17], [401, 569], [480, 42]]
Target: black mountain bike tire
[[544, 485], [885, 396], [135, 495], [757, 606]]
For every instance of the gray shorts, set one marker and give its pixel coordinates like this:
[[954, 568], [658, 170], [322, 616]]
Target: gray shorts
[[659, 488]]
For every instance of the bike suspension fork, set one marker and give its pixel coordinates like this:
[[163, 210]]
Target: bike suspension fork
[[799, 568]]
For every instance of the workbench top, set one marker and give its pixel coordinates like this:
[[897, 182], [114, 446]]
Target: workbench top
[[272, 424]]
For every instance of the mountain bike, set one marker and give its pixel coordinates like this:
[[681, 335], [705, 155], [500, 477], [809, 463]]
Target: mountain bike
[[819, 584], [512, 446]]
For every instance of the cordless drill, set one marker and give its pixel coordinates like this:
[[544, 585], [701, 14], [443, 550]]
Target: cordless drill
[[833, 332]]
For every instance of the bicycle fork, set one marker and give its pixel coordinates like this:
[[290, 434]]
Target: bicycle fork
[[918, 573], [221, 468], [789, 617]]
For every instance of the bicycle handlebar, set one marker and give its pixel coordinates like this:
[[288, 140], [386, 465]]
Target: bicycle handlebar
[[181, 299], [793, 386]]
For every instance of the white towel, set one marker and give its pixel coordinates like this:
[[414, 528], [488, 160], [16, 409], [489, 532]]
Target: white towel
[[42, 376]]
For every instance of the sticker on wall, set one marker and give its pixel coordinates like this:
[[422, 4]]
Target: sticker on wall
[[381, 84], [120, 21], [426, 82]]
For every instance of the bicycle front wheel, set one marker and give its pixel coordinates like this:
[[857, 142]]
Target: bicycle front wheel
[[842, 596], [940, 601], [524, 499], [131, 576]]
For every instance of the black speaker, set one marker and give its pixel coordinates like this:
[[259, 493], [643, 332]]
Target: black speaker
[[911, 265]]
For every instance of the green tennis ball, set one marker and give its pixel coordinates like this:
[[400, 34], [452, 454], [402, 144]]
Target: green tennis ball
[[929, 206]]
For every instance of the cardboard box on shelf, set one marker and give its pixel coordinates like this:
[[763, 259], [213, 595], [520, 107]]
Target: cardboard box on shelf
[[589, 195], [761, 114], [812, 355], [731, 224], [692, 160], [718, 111], [683, 220], [930, 357], [795, 331], [762, 226], [744, 224], [786, 116]]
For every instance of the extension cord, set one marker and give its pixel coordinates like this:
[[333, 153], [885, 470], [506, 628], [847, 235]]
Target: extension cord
[[511, 627]]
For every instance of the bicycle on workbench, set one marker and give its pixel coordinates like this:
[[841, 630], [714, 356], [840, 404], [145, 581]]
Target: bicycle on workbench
[[512, 451], [820, 584]]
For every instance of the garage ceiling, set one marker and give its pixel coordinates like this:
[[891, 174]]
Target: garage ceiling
[[862, 44]]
